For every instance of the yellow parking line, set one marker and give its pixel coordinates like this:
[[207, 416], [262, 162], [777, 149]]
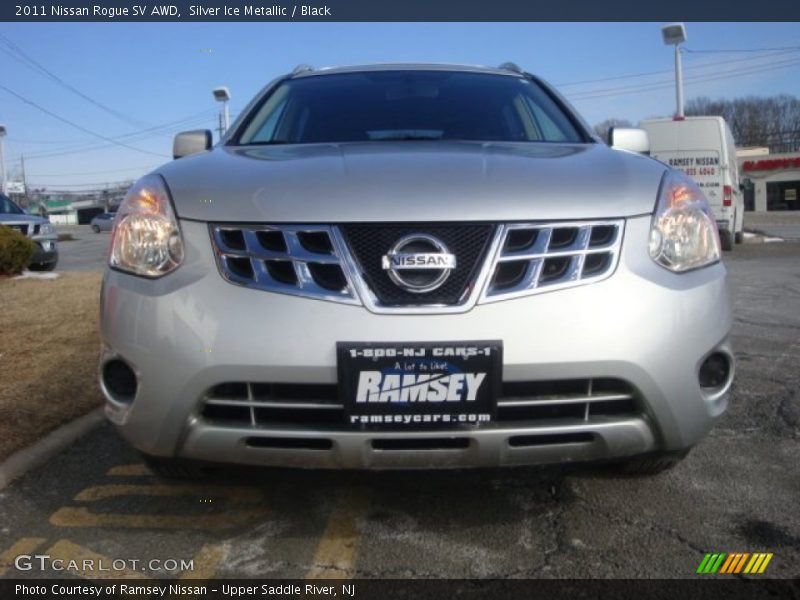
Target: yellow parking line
[[82, 557], [337, 550], [69, 516], [21, 546], [205, 562], [203, 492], [134, 470]]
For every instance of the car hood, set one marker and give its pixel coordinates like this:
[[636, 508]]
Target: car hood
[[412, 181]]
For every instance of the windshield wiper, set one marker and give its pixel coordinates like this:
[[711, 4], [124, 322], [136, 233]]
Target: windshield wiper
[[267, 143], [405, 138]]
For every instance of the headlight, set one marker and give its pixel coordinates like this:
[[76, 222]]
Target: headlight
[[146, 239], [46, 229], [683, 235]]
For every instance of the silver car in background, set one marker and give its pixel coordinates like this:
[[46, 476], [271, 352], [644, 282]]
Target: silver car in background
[[102, 222], [414, 266]]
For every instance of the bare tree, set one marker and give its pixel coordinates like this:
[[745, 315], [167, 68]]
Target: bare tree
[[755, 121]]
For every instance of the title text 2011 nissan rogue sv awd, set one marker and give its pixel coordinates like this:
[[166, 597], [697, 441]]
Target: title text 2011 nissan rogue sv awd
[[413, 266]]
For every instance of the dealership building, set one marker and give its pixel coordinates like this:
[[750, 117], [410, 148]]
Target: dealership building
[[771, 181]]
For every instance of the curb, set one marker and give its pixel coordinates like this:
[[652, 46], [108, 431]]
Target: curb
[[46, 448]]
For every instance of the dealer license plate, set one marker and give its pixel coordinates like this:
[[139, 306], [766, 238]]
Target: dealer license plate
[[419, 384]]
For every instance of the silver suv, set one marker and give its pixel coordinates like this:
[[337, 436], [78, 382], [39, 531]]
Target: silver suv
[[414, 266], [38, 229]]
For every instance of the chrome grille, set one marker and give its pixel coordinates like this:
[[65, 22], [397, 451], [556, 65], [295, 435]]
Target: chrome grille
[[290, 259], [247, 404], [517, 259], [540, 257]]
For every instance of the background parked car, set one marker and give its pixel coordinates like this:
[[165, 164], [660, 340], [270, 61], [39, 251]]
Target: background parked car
[[37, 229], [103, 222]]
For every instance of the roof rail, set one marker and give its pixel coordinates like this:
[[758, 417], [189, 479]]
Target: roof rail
[[510, 66], [302, 69]]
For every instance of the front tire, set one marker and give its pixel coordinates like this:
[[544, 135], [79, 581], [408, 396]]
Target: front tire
[[96, 228], [739, 237], [650, 464], [174, 468], [726, 240]]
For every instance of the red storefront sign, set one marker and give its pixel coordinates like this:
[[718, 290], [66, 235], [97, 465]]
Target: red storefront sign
[[770, 164]]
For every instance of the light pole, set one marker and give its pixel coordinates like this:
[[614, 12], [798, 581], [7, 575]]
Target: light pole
[[221, 94], [3, 132], [674, 34]]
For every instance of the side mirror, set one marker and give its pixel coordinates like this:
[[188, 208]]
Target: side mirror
[[191, 142], [634, 140]]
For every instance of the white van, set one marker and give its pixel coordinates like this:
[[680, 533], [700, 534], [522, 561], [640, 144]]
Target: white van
[[703, 148]]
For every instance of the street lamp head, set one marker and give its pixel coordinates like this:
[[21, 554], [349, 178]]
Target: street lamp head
[[3, 130], [673, 34], [221, 94]]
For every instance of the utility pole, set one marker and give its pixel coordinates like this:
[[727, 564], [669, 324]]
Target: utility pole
[[220, 125], [25, 183], [674, 34], [2, 160]]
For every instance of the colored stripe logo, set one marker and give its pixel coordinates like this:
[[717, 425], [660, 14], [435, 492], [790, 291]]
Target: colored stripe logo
[[736, 562]]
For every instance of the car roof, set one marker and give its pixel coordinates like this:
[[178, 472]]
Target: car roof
[[306, 71]]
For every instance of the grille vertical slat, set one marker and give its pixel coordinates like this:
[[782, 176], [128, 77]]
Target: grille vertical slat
[[561, 255], [289, 259]]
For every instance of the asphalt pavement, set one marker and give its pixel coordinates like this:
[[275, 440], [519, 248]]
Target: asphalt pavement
[[736, 492], [86, 251]]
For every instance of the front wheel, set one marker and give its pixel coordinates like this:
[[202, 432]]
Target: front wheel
[[726, 240], [95, 228], [174, 468], [650, 464], [739, 237]]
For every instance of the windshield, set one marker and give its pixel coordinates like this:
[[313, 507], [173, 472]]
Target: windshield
[[408, 105], [7, 207]]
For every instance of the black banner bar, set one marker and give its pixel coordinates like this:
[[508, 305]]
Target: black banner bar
[[398, 11], [700, 588]]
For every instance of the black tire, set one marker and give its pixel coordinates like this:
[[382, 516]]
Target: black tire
[[738, 237], [650, 464], [95, 228], [174, 468], [726, 240]]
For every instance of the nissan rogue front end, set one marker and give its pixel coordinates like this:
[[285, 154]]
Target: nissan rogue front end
[[413, 266]]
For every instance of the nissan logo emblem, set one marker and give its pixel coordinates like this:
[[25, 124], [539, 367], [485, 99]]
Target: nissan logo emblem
[[418, 263]]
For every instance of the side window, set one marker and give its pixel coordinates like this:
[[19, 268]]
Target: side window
[[262, 129], [550, 131], [267, 131]]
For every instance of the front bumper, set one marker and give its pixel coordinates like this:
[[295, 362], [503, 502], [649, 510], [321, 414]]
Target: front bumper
[[190, 331]]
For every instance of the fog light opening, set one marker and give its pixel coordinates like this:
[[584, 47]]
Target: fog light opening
[[714, 371], [120, 380]]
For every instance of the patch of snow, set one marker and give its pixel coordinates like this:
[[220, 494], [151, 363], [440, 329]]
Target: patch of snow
[[37, 275]]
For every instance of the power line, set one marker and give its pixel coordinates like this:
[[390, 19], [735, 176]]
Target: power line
[[75, 125], [21, 56], [662, 72], [128, 137], [636, 89], [740, 50], [140, 168], [103, 186]]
